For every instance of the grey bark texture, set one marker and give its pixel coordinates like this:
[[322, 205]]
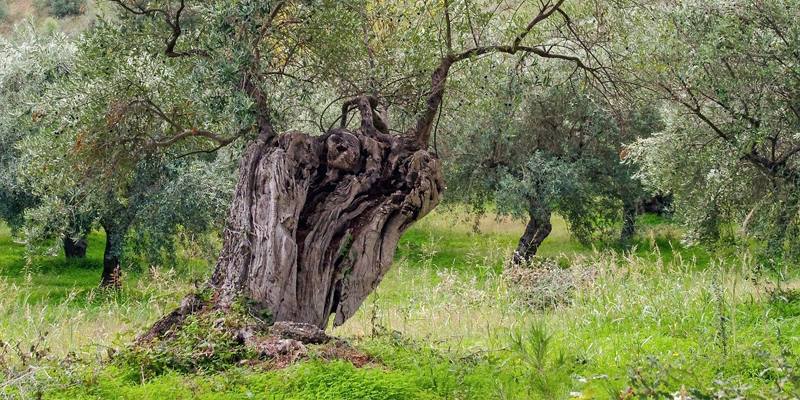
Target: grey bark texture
[[314, 224], [536, 231]]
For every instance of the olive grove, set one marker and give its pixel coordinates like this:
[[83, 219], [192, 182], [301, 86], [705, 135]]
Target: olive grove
[[33, 62]]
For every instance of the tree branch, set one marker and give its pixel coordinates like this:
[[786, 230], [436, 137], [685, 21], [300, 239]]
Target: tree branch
[[164, 142], [422, 129], [173, 21]]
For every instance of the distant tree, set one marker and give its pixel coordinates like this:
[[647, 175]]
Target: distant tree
[[548, 149], [43, 194], [147, 205], [728, 74], [32, 62]]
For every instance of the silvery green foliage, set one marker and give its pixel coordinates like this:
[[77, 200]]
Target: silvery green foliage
[[191, 201], [30, 63], [729, 74], [543, 139], [83, 157]]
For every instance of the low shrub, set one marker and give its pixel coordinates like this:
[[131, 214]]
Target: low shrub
[[204, 343], [543, 284], [62, 8]]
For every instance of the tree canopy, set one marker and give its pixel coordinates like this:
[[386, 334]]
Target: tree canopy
[[728, 76]]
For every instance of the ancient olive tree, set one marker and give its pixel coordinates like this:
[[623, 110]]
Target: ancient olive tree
[[551, 147], [315, 218], [728, 75]]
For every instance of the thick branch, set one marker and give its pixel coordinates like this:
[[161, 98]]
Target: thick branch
[[263, 111], [371, 120], [422, 129], [220, 140], [173, 21]]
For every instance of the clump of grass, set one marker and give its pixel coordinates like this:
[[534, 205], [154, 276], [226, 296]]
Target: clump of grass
[[544, 373], [544, 284]]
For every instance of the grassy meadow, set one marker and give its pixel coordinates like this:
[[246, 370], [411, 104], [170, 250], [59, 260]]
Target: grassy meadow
[[658, 321]]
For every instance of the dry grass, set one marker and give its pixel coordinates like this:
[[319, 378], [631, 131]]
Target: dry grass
[[86, 321]]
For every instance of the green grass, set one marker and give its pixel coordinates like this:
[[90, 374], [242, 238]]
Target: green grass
[[444, 324]]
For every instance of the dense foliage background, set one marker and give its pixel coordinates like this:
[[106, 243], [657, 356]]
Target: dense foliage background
[[556, 267]]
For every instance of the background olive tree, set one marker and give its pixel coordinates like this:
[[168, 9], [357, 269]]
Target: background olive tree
[[728, 76], [34, 61], [535, 146], [44, 194]]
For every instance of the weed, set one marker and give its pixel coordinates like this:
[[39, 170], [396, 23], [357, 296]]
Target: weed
[[204, 343]]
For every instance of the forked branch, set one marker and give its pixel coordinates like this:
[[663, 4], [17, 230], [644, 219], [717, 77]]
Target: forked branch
[[173, 20], [422, 129], [371, 120]]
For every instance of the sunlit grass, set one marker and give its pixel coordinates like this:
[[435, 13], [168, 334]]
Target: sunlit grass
[[445, 323]]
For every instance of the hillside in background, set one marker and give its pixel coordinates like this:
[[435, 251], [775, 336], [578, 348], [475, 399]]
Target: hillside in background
[[40, 13]]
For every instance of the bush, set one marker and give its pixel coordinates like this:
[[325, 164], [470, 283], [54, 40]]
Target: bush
[[3, 10], [544, 284], [63, 8], [204, 343]]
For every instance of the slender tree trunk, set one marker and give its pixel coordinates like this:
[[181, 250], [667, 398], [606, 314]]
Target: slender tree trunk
[[75, 248], [537, 230], [629, 212], [115, 235]]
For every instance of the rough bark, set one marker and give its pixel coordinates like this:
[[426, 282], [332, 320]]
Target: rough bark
[[75, 248], [115, 234], [536, 231], [314, 224]]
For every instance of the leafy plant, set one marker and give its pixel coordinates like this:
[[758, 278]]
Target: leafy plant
[[540, 368], [204, 344]]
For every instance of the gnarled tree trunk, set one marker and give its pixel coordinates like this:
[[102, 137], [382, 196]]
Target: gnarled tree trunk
[[536, 231], [315, 222]]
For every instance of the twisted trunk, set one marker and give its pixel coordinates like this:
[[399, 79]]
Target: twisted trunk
[[536, 231], [314, 224]]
